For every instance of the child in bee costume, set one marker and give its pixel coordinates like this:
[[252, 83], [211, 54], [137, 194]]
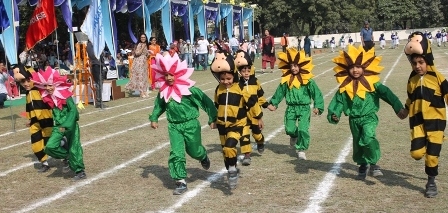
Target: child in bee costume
[[358, 97], [300, 91], [38, 114], [251, 88], [233, 109], [427, 97]]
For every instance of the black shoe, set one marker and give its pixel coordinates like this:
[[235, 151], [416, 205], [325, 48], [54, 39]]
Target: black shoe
[[362, 172], [44, 168], [80, 175], [260, 148], [180, 188], [102, 106], [206, 163], [65, 166], [431, 190]]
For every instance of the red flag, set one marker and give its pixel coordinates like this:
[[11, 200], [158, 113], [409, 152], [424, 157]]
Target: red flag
[[42, 23]]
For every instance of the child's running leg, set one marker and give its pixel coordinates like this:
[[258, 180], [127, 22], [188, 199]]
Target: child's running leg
[[193, 142], [258, 136], [229, 139], [245, 145]]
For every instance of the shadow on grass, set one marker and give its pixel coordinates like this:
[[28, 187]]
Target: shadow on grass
[[194, 174], [8, 117], [390, 177]]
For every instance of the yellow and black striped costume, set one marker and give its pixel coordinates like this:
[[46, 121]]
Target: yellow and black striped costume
[[253, 90], [41, 122], [233, 109], [427, 95], [427, 116]]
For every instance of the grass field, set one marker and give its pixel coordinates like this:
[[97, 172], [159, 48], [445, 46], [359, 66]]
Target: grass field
[[126, 161]]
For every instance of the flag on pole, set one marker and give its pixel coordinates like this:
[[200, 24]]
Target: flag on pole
[[42, 23], [93, 27], [4, 20]]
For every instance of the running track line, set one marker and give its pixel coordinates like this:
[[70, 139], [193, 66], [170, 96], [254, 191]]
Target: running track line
[[324, 188], [95, 111], [213, 178], [24, 165]]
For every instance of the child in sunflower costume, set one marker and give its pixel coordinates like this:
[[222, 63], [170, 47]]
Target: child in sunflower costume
[[358, 97], [55, 91], [300, 91], [181, 102], [234, 107], [38, 113], [251, 88], [426, 103]]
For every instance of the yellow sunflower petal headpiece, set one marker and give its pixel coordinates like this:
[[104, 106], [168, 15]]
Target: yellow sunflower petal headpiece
[[357, 57], [293, 56]]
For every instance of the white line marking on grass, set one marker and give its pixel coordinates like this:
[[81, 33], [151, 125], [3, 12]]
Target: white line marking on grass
[[95, 111], [322, 192], [213, 178], [90, 180], [392, 69]]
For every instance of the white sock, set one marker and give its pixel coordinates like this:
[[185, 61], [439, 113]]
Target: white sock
[[45, 163], [181, 181], [232, 168]]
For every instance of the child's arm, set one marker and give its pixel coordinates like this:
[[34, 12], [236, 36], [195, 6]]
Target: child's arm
[[317, 97], [206, 104], [261, 99], [159, 109], [278, 96], [389, 97], [72, 114], [335, 108]]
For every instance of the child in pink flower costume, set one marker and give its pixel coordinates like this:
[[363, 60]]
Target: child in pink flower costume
[[55, 91], [181, 102]]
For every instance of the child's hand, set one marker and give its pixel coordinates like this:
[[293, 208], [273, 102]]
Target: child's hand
[[316, 111], [213, 125], [28, 124], [271, 107], [61, 129], [154, 125], [403, 114], [335, 118], [260, 124]]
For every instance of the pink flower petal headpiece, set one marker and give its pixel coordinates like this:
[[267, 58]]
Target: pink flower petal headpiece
[[60, 83], [179, 69]]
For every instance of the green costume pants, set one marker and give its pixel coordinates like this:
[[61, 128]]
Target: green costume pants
[[366, 149], [54, 149], [184, 137], [300, 114]]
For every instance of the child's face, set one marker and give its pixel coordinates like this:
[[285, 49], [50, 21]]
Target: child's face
[[226, 79], [419, 65], [49, 88], [356, 72], [245, 72], [26, 84], [295, 69], [169, 79]]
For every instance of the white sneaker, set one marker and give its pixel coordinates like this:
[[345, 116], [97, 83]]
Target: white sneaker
[[301, 155]]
